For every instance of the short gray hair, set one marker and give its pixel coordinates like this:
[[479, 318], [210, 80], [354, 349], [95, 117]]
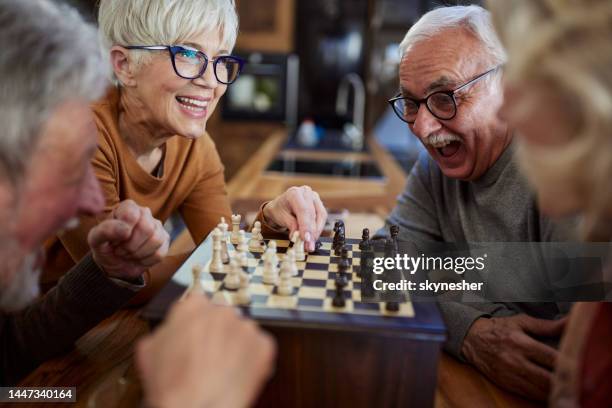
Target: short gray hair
[[164, 22], [48, 56], [473, 18]]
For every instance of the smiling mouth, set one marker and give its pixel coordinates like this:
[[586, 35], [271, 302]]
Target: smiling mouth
[[191, 104], [445, 145]]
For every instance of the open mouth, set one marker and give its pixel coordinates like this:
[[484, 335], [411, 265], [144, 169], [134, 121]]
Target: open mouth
[[194, 105], [449, 149]]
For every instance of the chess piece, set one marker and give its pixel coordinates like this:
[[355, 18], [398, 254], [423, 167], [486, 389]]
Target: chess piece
[[235, 236], [298, 247], [258, 236], [394, 232], [285, 288], [232, 280], [344, 261], [243, 245], [243, 297], [365, 238], [270, 269], [290, 259], [216, 263], [255, 243], [340, 243], [392, 306], [224, 240], [196, 283], [339, 300]]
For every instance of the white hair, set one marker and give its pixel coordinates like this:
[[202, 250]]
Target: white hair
[[566, 48], [46, 59], [473, 18], [165, 22]]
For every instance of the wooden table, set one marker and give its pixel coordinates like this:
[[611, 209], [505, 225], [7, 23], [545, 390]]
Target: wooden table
[[100, 367]]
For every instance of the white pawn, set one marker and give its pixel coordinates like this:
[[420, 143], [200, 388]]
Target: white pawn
[[243, 245], [216, 263], [224, 251], [232, 280], [298, 246], [196, 284], [255, 241], [235, 236], [270, 269], [290, 258], [272, 252], [258, 236], [284, 287], [243, 297]]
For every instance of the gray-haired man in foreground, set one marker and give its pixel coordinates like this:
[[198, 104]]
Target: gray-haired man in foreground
[[466, 188], [49, 72]]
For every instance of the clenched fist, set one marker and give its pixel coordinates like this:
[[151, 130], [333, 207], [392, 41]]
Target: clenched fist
[[128, 242]]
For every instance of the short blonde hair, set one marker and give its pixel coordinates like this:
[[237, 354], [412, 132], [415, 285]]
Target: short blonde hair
[[567, 44], [164, 22]]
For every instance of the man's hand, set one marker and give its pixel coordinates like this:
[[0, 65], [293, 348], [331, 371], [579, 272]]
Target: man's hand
[[204, 356], [505, 351], [298, 209], [129, 242]]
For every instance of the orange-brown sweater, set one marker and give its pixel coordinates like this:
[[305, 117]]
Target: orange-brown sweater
[[192, 184]]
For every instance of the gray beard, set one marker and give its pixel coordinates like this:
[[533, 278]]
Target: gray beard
[[23, 287]]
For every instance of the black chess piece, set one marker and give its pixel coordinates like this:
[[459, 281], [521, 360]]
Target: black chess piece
[[340, 243], [318, 245], [392, 306], [394, 230], [365, 237], [341, 279], [390, 248], [344, 261], [338, 300]]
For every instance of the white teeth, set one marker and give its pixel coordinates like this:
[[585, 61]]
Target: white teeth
[[439, 141], [196, 102]]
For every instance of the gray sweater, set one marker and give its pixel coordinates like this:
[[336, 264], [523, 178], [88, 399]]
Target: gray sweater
[[497, 207], [50, 326]]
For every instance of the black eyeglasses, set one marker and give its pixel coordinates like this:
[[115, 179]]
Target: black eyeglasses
[[189, 63], [441, 104]]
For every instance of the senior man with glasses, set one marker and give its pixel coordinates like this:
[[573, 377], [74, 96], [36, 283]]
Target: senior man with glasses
[[466, 188], [171, 63]]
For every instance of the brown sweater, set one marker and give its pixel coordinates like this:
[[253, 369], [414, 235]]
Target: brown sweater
[[83, 298], [192, 184]]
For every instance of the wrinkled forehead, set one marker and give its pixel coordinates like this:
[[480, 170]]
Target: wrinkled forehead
[[442, 61]]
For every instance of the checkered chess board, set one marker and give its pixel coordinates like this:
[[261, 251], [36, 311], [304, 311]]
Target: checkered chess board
[[313, 288]]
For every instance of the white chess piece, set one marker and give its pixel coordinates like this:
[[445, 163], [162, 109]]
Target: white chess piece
[[224, 240], [257, 225], [232, 280], [270, 269], [255, 243], [285, 288], [273, 253], [243, 245], [291, 266], [243, 297], [298, 246], [196, 284], [235, 236], [216, 263]]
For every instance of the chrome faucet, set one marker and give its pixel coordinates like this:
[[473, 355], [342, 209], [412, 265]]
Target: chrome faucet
[[342, 99]]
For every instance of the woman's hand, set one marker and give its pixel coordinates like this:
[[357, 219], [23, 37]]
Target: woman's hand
[[298, 209]]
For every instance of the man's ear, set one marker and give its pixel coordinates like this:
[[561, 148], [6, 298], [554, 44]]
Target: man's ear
[[123, 65]]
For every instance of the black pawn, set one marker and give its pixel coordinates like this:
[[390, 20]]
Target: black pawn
[[338, 300], [365, 238], [392, 306]]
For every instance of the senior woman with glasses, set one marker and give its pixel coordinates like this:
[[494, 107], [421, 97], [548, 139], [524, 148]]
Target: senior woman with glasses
[[171, 63], [558, 91]]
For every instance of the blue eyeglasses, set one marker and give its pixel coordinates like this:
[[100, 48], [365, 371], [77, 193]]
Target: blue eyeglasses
[[189, 63]]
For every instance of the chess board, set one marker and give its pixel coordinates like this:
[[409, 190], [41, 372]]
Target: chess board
[[318, 341], [313, 289]]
